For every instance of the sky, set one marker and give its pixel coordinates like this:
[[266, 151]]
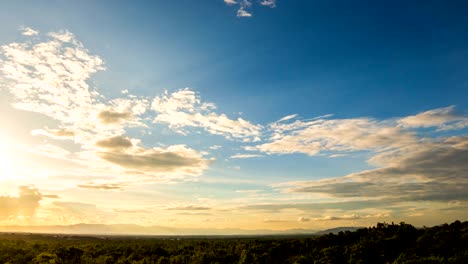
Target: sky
[[233, 114]]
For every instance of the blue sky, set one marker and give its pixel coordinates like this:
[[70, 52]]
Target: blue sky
[[373, 88]]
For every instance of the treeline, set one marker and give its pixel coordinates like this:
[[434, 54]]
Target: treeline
[[384, 243]]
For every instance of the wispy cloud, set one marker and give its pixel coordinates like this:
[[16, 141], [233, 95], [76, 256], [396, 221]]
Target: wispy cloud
[[245, 156], [269, 3], [104, 186], [184, 109], [245, 5], [242, 13], [348, 217], [333, 135], [338, 137], [446, 118], [54, 133], [27, 31], [190, 208]]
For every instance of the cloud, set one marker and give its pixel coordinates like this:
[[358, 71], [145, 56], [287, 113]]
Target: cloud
[[54, 133], [245, 156], [248, 191], [230, 2], [51, 196], [190, 208], [335, 218], [215, 147], [27, 31], [105, 187], [303, 219], [268, 220], [176, 159], [434, 171], [349, 217], [318, 206], [50, 75], [314, 136], [110, 117], [244, 5], [338, 137], [127, 211], [24, 205], [443, 118], [117, 142], [242, 13], [269, 3], [124, 111], [184, 108], [286, 118]]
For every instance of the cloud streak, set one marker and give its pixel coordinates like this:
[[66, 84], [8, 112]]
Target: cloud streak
[[434, 171], [184, 108], [335, 135], [443, 118]]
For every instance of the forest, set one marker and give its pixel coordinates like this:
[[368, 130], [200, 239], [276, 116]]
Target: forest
[[383, 243]]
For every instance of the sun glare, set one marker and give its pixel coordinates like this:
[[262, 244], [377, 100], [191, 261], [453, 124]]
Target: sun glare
[[6, 166]]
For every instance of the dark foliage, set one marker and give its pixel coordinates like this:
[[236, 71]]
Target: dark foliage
[[384, 243]]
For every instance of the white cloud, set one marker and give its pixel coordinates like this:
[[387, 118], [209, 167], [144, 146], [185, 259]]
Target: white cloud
[[65, 36], [269, 3], [245, 5], [230, 2], [27, 31], [50, 75], [242, 13], [215, 147], [245, 156], [444, 118], [184, 108], [336, 135], [286, 118]]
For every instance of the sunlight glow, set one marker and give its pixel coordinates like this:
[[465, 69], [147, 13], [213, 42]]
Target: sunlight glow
[[6, 162]]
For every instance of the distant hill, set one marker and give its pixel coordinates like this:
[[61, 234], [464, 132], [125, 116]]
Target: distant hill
[[336, 230], [132, 229]]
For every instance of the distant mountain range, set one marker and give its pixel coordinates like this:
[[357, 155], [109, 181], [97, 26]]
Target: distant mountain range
[[336, 230], [132, 229]]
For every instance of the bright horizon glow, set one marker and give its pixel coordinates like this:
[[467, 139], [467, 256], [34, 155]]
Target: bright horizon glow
[[6, 162]]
